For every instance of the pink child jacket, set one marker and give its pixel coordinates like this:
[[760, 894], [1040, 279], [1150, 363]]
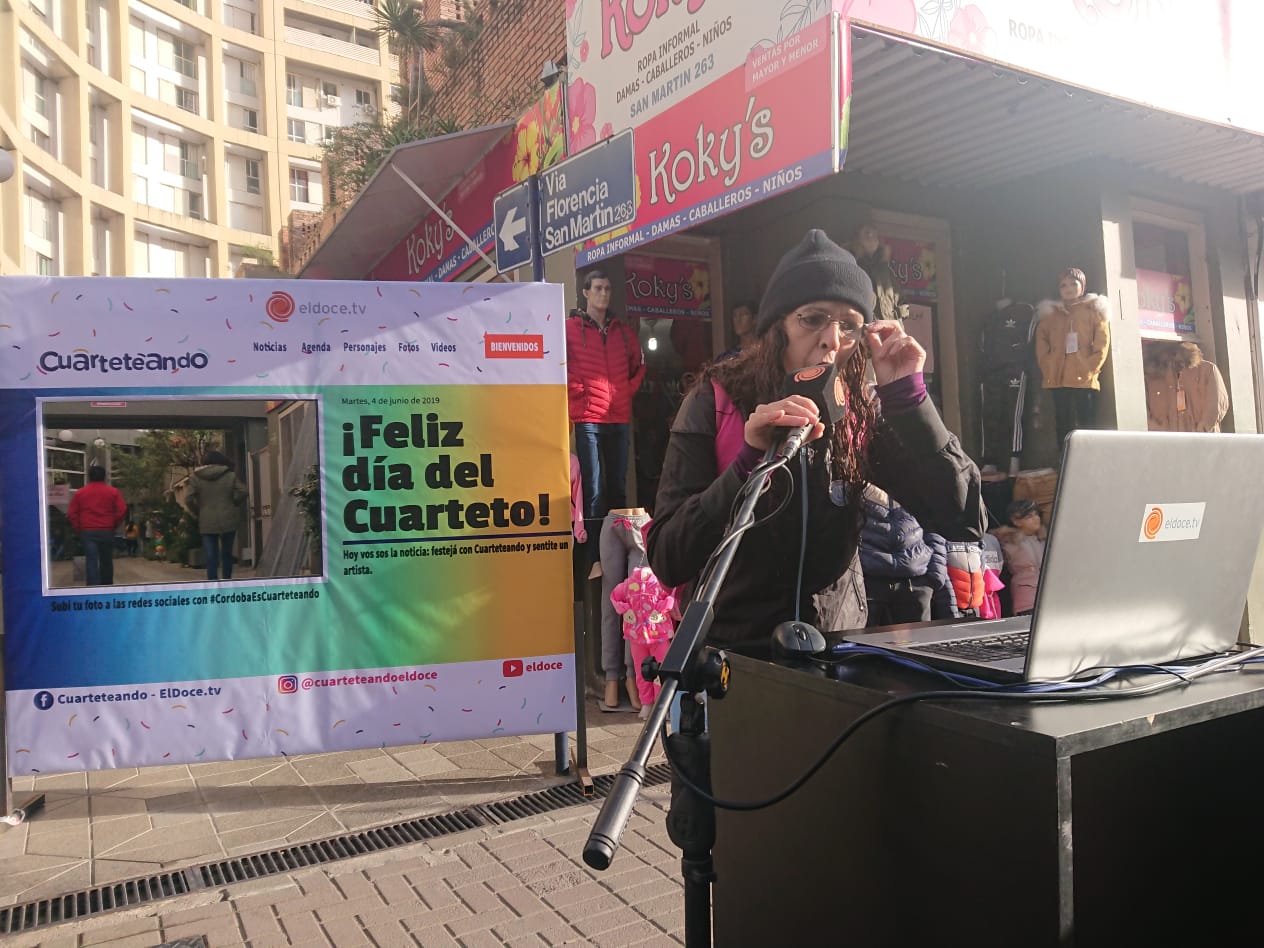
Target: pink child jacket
[[646, 606]]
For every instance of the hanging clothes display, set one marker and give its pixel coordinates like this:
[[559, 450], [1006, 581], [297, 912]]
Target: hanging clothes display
[[1005, 359]]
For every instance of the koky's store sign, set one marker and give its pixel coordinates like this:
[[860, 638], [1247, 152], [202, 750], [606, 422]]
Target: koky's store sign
[[767, 125], [667, 287]]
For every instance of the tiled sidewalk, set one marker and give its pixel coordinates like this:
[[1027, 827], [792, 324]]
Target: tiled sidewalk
[[520, 883]]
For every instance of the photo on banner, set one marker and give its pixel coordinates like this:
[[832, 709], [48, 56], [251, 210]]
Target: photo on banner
[[401, 559]]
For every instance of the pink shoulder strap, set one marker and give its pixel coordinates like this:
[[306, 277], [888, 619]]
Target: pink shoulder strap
[[730, 428]]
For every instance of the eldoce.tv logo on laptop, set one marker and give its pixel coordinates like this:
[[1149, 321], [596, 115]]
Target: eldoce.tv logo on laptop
[[1165, 522]]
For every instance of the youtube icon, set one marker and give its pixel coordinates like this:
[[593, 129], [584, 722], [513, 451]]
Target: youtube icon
[[512, 668]]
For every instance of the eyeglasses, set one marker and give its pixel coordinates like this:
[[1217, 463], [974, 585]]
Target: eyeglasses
[[817, 320]]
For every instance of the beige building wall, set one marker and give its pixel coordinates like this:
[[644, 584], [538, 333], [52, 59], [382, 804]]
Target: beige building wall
[[172, 139]]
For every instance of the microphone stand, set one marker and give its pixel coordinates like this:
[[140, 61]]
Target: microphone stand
[[689, 670]]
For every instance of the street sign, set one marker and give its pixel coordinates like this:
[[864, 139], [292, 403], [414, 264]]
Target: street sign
[[589, 194], [514, 230]]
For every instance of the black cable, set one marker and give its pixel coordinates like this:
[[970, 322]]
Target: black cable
[[1217, 664]]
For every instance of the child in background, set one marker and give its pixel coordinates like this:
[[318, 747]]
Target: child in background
[[1024, 546], [646, 607]]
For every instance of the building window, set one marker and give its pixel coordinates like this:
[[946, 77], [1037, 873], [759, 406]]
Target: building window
[[364, 99], [250, 120], [187, 99], [246, 82], [298, 185], [39, 94], [252, 176], [296, 130], [293, 90], [184, 58], [44, 266], [40, 216], [190, 161]]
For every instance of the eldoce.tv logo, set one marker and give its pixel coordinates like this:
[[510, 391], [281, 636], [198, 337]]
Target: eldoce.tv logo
[[280, 306], [1163, 523]]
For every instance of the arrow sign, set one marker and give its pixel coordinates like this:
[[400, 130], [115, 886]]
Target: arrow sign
[[514, 228], [511, 228]]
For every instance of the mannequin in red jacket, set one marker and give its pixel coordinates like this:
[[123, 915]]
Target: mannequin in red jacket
[[604, 368]]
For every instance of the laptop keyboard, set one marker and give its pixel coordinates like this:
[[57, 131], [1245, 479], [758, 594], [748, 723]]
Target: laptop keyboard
[[990, 648]]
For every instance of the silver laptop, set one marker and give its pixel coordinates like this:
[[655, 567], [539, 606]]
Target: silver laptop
[[1150, 554]]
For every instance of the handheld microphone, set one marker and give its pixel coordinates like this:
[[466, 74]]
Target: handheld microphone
[[816, 382]]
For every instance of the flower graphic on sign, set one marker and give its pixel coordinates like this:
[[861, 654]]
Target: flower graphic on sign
[[969, 30], [927, 263], [1183, 300], [581, 100], [1094, 11], [700, 282], [583, 51], [526, 160]]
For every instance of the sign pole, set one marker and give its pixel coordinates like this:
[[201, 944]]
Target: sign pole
[[533, 228]]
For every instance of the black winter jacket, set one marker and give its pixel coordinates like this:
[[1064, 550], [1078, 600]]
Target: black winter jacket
[[912, 456]]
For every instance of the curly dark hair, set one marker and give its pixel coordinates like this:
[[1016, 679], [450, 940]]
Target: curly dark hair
[[755, 376]]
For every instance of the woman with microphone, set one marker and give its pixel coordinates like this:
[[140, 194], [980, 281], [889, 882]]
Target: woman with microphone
[[800, 559]]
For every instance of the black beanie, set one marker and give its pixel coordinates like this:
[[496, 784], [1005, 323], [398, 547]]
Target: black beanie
[[817, 269]]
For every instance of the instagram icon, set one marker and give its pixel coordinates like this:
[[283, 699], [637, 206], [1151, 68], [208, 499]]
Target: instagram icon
[[287, 684]]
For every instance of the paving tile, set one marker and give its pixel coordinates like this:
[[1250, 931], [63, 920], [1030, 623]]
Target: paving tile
[[345, 932], [122, 928], [50, 840]]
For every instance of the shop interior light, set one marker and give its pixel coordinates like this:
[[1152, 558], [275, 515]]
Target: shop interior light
[[652, 344], [65, 435]]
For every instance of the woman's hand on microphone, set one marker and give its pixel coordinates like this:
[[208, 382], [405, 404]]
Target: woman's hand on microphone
[[793, 411]]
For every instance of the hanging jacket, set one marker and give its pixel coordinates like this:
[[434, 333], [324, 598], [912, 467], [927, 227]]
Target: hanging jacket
[[1184, 392], [891, 541], [604, 369], [1089, 318]]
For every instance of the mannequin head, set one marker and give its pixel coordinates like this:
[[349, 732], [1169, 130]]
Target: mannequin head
[[1024, 515], [1071, 284], [743, 319]]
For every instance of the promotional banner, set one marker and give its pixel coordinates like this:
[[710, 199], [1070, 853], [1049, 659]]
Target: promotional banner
[[665, 286], [403, 455], [1165, 302], [1193, 57], [912, 264], [434, 250], [709, 141]]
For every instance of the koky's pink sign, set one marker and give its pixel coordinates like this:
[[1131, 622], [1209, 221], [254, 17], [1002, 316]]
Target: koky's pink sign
[[767, 126], [664, 286]]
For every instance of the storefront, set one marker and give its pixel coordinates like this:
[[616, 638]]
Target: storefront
[[983, 179]]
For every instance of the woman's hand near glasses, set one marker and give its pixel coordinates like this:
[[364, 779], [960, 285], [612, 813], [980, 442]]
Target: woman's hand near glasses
[[894, 353]]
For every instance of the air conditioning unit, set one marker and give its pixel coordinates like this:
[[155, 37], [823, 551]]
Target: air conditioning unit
[[333, 101]]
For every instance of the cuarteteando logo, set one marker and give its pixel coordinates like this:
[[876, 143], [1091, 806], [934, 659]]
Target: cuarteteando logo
[[287, 684], [279, 307], [82, 360], [1163, 523]]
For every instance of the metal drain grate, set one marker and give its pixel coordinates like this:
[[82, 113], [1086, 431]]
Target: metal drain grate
[[166, 885]]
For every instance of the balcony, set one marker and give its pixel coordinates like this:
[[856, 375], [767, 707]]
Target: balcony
[[362, 8], [327, 44]]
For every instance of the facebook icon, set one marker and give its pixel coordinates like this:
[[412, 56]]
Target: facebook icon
[[43, 700]]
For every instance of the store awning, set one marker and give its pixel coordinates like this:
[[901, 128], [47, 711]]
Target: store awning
[[923, 114], [388, 208]]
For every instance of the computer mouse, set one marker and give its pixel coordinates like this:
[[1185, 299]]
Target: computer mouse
[[796, 638]]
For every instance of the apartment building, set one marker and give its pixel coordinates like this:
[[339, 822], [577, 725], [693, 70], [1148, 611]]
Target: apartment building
[[170, 139]]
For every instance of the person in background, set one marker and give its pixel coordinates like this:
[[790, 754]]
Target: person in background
[[96, 510], [817, 310], [742, 319], [131, 537], [604, 368], [216, 497]]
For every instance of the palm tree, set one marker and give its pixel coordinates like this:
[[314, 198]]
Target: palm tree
[[410, 36]]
